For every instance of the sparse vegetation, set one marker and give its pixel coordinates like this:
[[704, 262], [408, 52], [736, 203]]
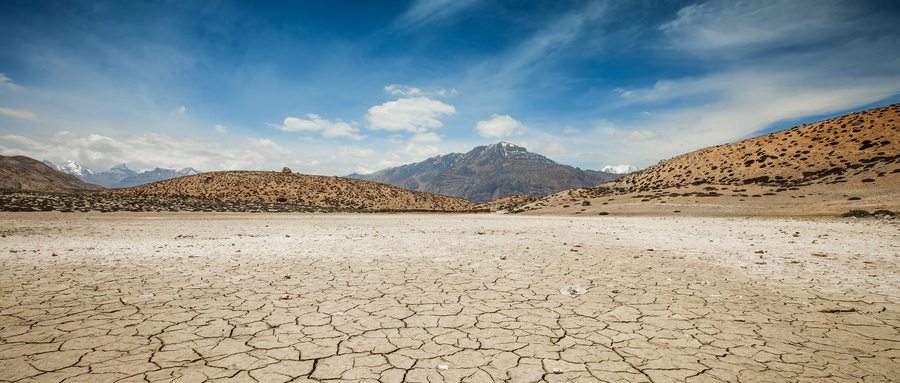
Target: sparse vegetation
[[857, 213], [865, 213], [24, 201]]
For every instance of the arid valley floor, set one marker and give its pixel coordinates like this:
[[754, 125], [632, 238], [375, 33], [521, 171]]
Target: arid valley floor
[[192, 297]]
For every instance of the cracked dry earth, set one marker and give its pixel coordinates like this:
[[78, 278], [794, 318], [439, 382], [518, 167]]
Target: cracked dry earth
[[194, 297]]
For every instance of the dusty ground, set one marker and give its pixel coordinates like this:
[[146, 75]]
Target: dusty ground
[[726, 201], [140, 297]]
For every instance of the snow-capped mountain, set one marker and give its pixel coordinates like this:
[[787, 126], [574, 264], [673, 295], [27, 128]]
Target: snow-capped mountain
[[619, 169], [71, 167], [158, 174], [120, 176]]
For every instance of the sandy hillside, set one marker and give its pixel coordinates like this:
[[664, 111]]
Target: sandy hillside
[[829, 167], [299, 189], [133, 297]]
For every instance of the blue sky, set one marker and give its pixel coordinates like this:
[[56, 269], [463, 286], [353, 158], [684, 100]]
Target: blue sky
[[356, 86]]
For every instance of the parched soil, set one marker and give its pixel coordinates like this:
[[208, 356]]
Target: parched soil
[[135, 297]]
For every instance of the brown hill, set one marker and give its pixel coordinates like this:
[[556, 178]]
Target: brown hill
[[24, 173], [298, 189], [847, 162], [832, 151]]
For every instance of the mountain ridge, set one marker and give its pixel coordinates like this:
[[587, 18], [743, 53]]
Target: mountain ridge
[[487, 173], [120, 176]]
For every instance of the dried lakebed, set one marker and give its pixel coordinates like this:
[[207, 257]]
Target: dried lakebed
[[191, 297]]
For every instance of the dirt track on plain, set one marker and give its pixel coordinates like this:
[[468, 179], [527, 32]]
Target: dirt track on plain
[[193, 297]]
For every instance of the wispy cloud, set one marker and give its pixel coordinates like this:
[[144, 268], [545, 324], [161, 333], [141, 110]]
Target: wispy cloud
[[314, 123], [7, 83], [408, 91], [428, 137], [747, 27], [18, 113], [431, 11], [267, 146], [556, 37]]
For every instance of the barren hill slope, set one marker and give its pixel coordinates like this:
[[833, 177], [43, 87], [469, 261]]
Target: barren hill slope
[[832, 151], [25, 173], [299, 189], [847, 162]]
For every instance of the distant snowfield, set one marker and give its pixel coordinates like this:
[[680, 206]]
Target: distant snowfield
[[619, 169], [446, 297]]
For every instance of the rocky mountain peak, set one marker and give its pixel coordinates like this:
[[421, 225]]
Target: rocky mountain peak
[[488, 172], [500, 151]]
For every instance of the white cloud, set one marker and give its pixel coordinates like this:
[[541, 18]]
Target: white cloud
[[146, 151], [414, 115], [18, 113], [500, 126], [180, 110], [356, 151], [636, 135], [329, 129], [429, 137], [267, 146], [570, 130], [6, 82], [221, 129], [553, 146], [410, 153]]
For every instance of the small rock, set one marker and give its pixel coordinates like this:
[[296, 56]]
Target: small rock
[[287, 277], [285, 297], [286, 170], [443, 367], [502, 257], [838, 310], [573, 290], [557, 371]]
